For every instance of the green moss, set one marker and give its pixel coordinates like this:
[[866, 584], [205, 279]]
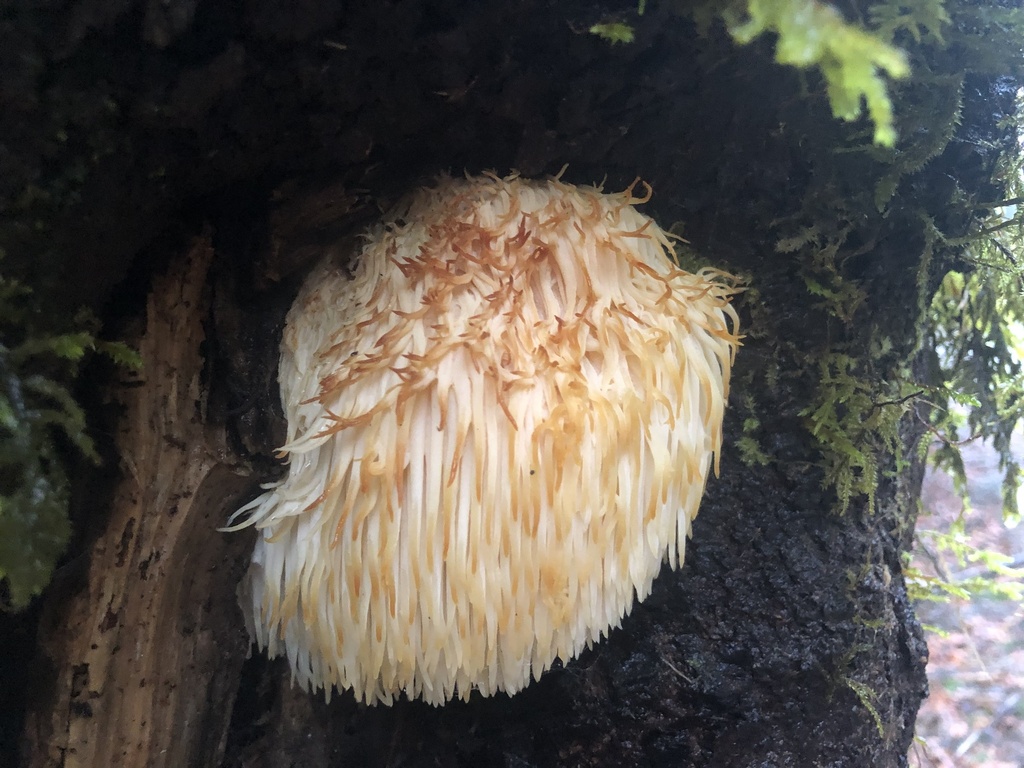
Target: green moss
[[867, 697], [855, 419], [613, 32], [923, 20], [935, 104], [38, 417], [864, 390], [820, 268], [812, 35], [841, 677], [749, 446], [852, 60]]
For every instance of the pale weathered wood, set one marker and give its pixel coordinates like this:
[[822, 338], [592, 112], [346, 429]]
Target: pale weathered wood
[[141, 651]]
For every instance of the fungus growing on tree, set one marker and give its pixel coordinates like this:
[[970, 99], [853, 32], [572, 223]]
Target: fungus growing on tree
[[500, 424]]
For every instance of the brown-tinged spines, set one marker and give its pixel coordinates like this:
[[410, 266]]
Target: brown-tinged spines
[[521, 441]]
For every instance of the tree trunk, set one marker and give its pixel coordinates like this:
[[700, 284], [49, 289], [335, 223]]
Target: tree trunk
[[238, 141], [144, 653]]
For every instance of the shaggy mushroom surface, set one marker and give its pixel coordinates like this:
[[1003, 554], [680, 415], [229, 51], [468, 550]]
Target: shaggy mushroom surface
[[500, 425]]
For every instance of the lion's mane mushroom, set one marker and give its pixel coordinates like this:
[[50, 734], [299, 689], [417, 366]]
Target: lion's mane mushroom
[[499, 426]]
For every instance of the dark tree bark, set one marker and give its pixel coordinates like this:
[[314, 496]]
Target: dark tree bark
[[175, 166]]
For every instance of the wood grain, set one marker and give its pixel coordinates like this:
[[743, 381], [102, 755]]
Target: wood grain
[[147, 644]]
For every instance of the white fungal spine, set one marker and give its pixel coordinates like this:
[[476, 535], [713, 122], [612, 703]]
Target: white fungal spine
[[498, 428]]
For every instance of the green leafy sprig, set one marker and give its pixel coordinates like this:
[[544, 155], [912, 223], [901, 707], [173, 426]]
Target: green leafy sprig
[[37, 414]]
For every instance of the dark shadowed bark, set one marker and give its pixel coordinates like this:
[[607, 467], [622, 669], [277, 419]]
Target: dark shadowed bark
[[176, 165]]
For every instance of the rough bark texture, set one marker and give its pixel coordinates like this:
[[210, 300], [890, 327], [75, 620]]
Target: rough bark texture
[[129, 127], [144, 651]]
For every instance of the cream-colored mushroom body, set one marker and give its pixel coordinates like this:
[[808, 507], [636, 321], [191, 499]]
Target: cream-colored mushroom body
[[499, 426]]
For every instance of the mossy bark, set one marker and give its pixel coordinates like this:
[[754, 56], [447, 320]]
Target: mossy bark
[[276, 129]]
